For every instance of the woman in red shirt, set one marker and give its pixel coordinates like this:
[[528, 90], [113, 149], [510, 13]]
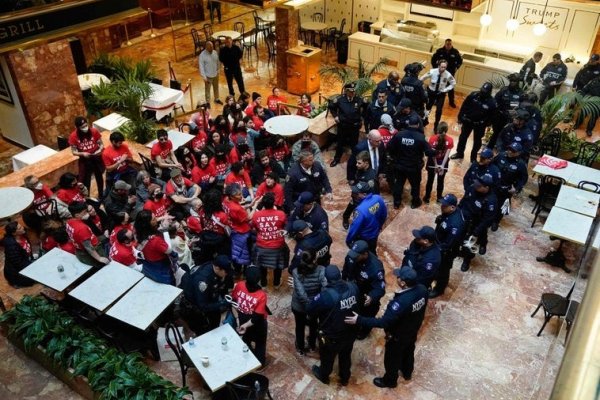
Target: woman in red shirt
[[271, 250], [155, 247], [156, 203], [240, 226], [204, 174], [270, 185], [86, 143], [70, 189], [188, 161], [199, 142], [252, 313], [17, 254], [437, 165], [305, 105], [239, 175], [274, 101], [121, 221], [121, 250], [216, 227]]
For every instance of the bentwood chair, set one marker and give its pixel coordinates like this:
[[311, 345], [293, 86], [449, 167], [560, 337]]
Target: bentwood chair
[[554, 305], [550, 144], [149, 165], [249, 387], [590, 186], [587, 154], [271, 48], [175, 342], [198, 44], [548, 188], [247, 42]]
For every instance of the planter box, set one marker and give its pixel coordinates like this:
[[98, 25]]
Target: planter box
[[319, 126]]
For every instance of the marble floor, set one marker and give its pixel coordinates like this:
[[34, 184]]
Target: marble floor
[[478, 340]]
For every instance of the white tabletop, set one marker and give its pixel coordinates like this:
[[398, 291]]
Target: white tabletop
[[44, 269], [578, 200], [564, 173], [144, 303], [177, 138], [13, 200], [225, 365], [110, 123], [313, 26], [163, 96], [233, 34], [583, 173], [107, 285], [286, 125], [86, 81], [31, 156], [568, 225]]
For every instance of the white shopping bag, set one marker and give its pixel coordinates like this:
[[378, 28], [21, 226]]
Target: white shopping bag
[[164, 351]]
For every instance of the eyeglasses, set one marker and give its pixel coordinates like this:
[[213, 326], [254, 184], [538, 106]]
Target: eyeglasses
[[163, 139]]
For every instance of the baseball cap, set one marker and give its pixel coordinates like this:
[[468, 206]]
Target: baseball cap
[[426, 232], [358, 247], [414, 119], [350, 86], [193, 224], [515, 146], [122, 185], [449, 200], [304, 198], [79, 121], [299, 226], [407, 274], [175, 172], [332, 273], [485, 180], [486, 153], [223, 262], [361, 187], [404, 103]]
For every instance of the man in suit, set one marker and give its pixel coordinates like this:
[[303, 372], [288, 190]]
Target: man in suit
[[376, 149]]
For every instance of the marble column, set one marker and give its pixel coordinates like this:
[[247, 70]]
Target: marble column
[[48, 88], [286, 29]]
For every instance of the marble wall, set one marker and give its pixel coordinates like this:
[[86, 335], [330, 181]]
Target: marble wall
[[97, 42], [48, 88], [286, 28]]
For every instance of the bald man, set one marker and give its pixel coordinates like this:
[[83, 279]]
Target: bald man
[[377, 157], [392, 87]]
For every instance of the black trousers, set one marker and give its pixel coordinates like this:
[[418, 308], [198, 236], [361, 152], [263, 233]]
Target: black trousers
[[431, 176], [264, 273], [88, 166], [466, 254], [547, 93], [400, 177], [302, 321], [478, 132], [230, 75], [329, 349], [502, 195], [348, 211], [444, 271], [399, 356], [347, 136], [256, 339], [437, 100], [367, 311]]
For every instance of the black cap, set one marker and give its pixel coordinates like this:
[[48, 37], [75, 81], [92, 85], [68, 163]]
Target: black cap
[[485, 180], [79, 121], [486, 88], [425, 232], [223, 262], [350, 86], [359, 247], [304, 198], [332, 273], [515, 146], [405, 103], [361, 187], [299, 226], [414, 120], [407, 274]]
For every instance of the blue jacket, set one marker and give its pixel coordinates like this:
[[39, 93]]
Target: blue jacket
[[368, 219], [336, 302], [316, 219], [424, 260], [449, 230], [476, 171], [370, 276], [319, 242], [479, 210], [513, 172], [298, 181]]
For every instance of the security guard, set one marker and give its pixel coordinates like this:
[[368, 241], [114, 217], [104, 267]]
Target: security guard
[[307, 209], [368, 217], [513, 177], [413, 87], [337, 301], [391, 85], [407, 149], [317, 242], [403, 115], [449, 233], [347, 111], [423, 255], [381, 105], [590, 71], [454, 60], [517, 132], [205, 287], [507, 100], [474, 115], [401, 321], [306, 176], [366, 270], [528, 103], [481, 167], [479, 207]]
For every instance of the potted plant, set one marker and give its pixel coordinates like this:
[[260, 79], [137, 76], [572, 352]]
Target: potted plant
[[362, 75]]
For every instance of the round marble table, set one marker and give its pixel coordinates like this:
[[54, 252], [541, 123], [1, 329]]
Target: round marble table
[[13, 200], [86, 81], [313, 26], [233, 34], [286, 125]]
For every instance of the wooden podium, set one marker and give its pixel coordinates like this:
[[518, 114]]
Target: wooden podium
[[303, 69]]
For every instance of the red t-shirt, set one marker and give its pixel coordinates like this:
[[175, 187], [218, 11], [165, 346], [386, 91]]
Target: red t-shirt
[[42, 195], [113, 235], [258, 122], [305, 109], [237, 215], [433, 141], [24, 243], [199, 142], [279, 153], [155, 248], [79, 232], [273, 101], [269, 225], [277, 190], [243, 179], [158, 208], [203, 175], [220, 167], [162, 150], [250, 303], [49, 243], [70, 195], [214, 224], [86, 145], [110, 155], [386, 135], [122, 254]]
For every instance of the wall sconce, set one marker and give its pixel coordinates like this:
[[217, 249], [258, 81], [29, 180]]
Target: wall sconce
[[539, 29], [486, 19]]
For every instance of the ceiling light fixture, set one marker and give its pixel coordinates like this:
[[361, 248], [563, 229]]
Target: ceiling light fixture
[[512, 24], [486, 19], [540, 28]]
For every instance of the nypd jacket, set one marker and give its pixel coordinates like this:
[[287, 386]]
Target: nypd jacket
[[370, 276], [202, 287], [336, 302], [477, 171], [407, 149], [424, 260], [414, 91], [554, 73], [318, 242], [374, 112], [449, 230], [479, 210], [316, 218], [299, 180], [513, 172], [477, 109]]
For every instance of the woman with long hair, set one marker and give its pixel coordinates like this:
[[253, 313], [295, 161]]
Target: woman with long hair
[[17, 254], [306, 107], [204, 174], [86, 143], [188, 161], [240, 226], [214, 238], [155, 247], [437, 165]]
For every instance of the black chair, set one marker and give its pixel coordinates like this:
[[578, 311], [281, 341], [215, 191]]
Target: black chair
[[587, 154], [156, 80], [317, 17], [48, 209], [62, 142], [590, 186], [340, 32], [329, 38], [148, 165], [175, 342], [550, 144], [182, 127], [250, 387], [548, 188], [261, 26], [198, 43], [554, 305], [247, 42], [570, 317], [208, 32], [271, 48]]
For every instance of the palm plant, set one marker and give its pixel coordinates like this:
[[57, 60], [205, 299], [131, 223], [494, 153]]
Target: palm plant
[[362, 75]]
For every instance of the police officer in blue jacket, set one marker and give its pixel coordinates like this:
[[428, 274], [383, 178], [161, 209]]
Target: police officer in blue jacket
[[423, 255], [366, 270], [449, 234], [337, 301], [379, 106], [404, 113], [413, 87], [401, 321], [316, 242], [483, 166], [519, 132], [513, 177], [368, 217], [307, 209], [507, 99], [306, 176], [479, 207]]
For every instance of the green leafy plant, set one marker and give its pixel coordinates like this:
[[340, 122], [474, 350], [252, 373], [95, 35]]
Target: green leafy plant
[[362, 75], [570, 108]]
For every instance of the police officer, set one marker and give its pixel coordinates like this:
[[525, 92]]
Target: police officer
[[401, 321], [527, 72], [507, 100], [518, 132], [381, 105], [347, 111], [363, 173], [403, 115], [483, 166], [552, 75], [454, 59], [474, 115], [368, 217], [317, 243], [205, 287], [337, 301], [407, 149], [590, 71], [413, 87], [423, 255], [479, 207], [307, 209], [528, 103], [306, 176], [513, 177], [449, 233], [364, 268], [391, 86]]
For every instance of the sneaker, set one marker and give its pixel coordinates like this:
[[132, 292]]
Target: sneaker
[[379, 382], [217, 101], [346, 224], [317, 373], [465, 266], [333, 163], [494, 226], [426, 199], [482, 250], [457, 156]]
